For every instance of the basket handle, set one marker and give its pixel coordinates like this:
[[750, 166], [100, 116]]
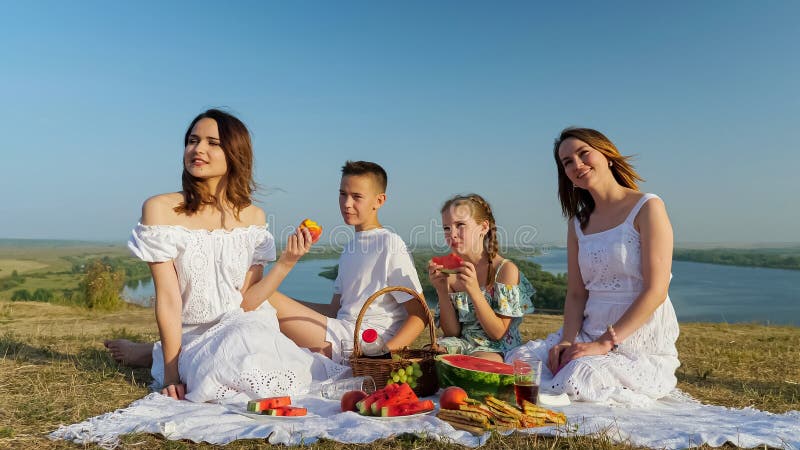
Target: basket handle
[[415, 296]]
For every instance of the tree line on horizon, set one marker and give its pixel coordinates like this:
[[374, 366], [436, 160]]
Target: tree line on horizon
[[768, 258]]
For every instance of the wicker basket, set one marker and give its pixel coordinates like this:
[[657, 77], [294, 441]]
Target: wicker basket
[[380, 368]]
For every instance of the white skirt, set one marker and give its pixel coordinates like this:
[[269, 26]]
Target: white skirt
[[640, 371], [245, 356]]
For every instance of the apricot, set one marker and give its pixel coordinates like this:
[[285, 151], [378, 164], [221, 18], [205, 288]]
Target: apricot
[[314, 228]]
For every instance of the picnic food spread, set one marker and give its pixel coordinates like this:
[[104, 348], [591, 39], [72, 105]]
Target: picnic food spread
[[314, 228], [479, 377], [275, 406], [449, 262], [493, 413], [457, 407]]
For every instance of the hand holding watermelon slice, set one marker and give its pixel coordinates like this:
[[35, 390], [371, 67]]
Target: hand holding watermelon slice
[[449, 263]]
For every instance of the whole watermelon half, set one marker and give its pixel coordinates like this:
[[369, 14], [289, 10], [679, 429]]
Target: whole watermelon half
[[478, 376]]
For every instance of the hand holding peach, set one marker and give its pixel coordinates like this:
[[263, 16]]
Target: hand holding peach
[[314, 228]]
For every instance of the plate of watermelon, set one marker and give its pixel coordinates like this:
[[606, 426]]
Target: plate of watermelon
[[273, 408], [269, 417], [395, 401]]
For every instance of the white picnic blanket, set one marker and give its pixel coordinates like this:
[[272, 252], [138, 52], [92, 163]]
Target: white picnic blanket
[[677, 421]]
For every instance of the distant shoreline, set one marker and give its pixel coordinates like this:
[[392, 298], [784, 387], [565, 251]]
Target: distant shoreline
[[770, 256]]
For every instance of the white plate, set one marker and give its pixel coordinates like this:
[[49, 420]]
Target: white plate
[[267, 417], [400, 417], [548, 400]]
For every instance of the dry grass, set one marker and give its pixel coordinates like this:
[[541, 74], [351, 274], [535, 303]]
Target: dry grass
[[54, 370], [7, 266], [52, 257], [741, 365]]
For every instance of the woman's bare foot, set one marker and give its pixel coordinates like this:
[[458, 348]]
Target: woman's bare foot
[[129, 353]]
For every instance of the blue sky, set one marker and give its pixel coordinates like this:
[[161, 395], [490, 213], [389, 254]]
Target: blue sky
[[450, 97]]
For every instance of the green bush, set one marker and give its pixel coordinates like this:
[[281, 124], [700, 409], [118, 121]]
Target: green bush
[[12, 281], [21, 295], [102, 285], [42, 295]]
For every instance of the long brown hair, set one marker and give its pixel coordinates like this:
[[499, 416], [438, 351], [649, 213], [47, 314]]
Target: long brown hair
[[238, 183], [481, 210], [576, 202]]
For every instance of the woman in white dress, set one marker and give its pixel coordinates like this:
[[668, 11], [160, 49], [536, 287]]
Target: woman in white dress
[[617, 343], [207, 247]]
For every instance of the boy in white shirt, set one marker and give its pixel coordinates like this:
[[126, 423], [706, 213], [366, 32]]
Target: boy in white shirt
[[374, 259]]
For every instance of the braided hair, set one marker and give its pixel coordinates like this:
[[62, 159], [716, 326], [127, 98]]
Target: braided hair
[[481, 210]]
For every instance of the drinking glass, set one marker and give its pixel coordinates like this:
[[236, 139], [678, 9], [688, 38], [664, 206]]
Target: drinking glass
[[527, 376], [346, 351], [336, 389]]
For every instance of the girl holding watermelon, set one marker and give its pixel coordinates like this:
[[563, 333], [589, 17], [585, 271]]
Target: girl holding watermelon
[[617, 343], [482, 296]]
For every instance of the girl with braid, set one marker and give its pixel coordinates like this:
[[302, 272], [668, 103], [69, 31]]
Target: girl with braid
[[482, 304]]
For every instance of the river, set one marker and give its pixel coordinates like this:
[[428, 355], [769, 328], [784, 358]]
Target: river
[[700, 292]]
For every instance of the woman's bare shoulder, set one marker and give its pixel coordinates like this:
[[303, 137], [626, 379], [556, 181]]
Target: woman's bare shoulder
[[160, 209], [653, 208], [252, 215], [652, 215]]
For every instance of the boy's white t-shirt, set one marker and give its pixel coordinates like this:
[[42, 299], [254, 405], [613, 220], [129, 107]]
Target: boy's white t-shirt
[[373, 260]]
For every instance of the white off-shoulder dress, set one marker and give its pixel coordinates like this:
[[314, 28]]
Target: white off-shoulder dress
[[643, 368], [227, 354]]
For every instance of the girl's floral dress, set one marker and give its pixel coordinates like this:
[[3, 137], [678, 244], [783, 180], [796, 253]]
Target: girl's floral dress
[[510, 300]]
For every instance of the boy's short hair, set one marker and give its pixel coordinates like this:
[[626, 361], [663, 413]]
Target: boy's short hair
[[366, 168]]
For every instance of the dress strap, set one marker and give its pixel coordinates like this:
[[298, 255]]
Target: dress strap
[[638, 207], [577, 224], [499, 266]]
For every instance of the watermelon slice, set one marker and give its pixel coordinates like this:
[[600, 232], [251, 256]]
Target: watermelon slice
[[449, 262], [402, 395], [263, 404], [364, 406], [479, 377], [407, 409], [286, 411]]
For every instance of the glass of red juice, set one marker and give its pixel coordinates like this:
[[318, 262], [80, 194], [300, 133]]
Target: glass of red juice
[[527, 375]]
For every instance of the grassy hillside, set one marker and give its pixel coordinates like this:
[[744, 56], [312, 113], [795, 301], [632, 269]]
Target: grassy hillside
[[58, 269]]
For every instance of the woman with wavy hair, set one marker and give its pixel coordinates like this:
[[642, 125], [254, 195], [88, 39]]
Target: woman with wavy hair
[[207, 246], [617, 343]]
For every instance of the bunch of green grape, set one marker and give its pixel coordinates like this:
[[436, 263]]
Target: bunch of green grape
[[408, 374]]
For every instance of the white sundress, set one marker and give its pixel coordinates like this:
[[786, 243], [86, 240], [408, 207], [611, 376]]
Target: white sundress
[[227, 354], [643, 368]]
